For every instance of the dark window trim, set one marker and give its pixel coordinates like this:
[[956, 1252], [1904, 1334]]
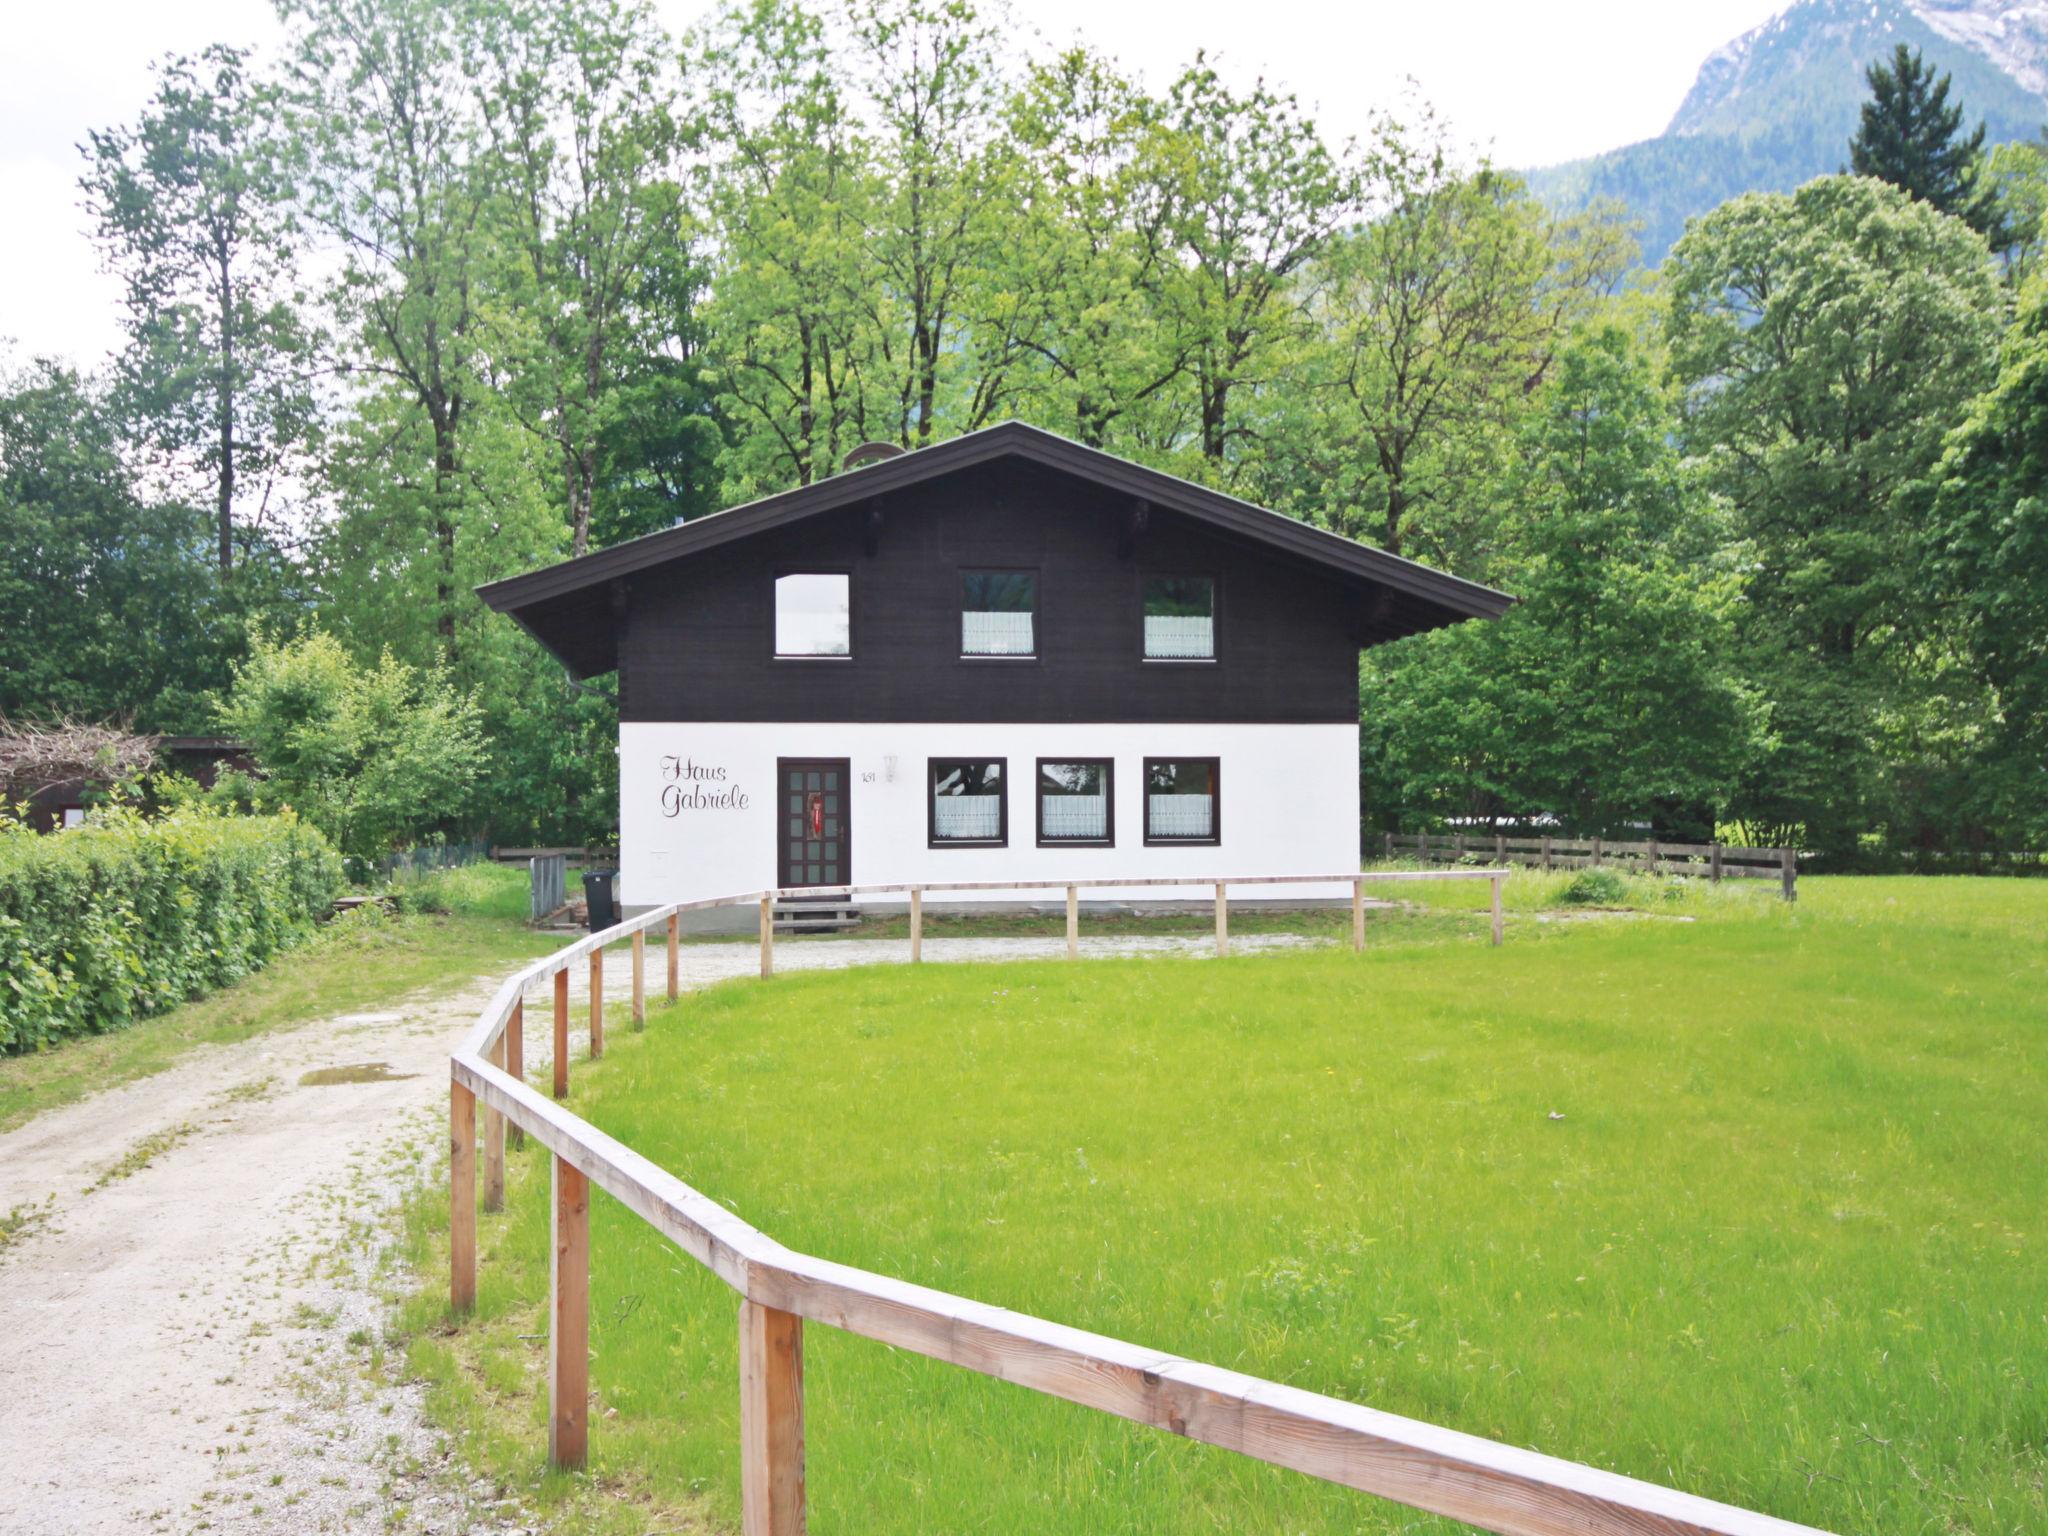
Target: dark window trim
[[1215, 619], [845, 767], [973, 658], [1108, 766], [932, 765], [776, 574], [1215, 836]]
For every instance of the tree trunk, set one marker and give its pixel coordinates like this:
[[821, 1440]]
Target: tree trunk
[[225, 481], [1215, 406], [443, 419]]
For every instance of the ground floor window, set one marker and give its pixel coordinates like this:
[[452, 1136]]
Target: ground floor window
[[1183, 801], [1075, 803], [969, 802]]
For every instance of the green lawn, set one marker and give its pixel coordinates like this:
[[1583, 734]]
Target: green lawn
[[1783, 1248], [361, 961]]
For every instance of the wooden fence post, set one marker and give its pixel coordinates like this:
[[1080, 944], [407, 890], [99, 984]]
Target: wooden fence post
[[771, 1421], [1073, 923], [1496, 911], [1596, 853], [1390, 847], [767, 937], [569, 1319], [916, 924], [562, 1033], [596, 1003], [1547, 864], [1652, 857], [639, 978], [1788, 865], [1715, 866], [1500, 848], [1222, 922], [1458, 847], [1422, 847], [494, 1144], [515, 1054], [1358, 917], [675, 959], [461, 1198]]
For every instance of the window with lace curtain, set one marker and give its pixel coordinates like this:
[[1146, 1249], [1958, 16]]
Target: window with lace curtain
[[998, 613], [1075, 804], [1183, 802], [1180, 618], [969, 803]]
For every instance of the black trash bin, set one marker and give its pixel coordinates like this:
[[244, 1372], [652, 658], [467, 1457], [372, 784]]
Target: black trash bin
[[599, 893]]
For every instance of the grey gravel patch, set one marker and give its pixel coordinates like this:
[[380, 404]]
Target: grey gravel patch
[[193, 1346]]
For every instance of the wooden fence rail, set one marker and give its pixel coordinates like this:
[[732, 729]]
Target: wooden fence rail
[[1715, 861], [1493, 1486]]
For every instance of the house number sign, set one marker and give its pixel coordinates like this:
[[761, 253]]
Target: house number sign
[[687, 785]]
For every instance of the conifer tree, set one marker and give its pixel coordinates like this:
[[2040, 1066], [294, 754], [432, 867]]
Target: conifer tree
[[1910, 136]]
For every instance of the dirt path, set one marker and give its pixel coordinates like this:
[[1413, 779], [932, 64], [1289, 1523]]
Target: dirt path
[[185, 1331], [187, 1324]]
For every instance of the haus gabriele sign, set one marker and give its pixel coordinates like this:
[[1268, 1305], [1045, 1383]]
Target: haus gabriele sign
[[688, 785]]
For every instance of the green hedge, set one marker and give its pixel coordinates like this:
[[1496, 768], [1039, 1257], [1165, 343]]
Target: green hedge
[[105, 924]]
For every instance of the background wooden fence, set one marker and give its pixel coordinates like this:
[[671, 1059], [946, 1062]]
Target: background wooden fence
[[1711, 861], [1496, 1487], [547, 883]]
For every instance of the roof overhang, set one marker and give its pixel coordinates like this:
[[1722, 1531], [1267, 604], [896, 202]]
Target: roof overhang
[[571, 607]]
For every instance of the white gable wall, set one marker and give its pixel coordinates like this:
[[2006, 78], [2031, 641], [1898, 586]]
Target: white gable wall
[[697, 806]]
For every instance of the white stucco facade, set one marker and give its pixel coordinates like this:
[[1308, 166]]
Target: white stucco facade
[[698, 805]]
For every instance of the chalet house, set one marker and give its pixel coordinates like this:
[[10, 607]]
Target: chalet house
[[1005, 656]]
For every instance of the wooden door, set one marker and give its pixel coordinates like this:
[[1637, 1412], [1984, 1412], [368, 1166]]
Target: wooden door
[[814, 822]]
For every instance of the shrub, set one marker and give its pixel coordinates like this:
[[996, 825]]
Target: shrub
[[1594, 888], [377, 756], [108, 923]]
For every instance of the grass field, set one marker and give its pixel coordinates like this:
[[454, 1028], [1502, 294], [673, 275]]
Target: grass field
[[1750, 1204]]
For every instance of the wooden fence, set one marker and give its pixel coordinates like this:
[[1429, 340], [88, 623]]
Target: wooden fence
[[1496, 1487], [1712, 861], [547, 883]]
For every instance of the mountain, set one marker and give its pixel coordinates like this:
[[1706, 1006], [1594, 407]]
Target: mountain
[[1778, 105]]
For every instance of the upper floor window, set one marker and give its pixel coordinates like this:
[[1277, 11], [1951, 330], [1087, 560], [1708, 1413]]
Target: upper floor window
[[1180, 618], [1183, 800], [998, 613], [1075, 804], [970, 802], [814, 614]]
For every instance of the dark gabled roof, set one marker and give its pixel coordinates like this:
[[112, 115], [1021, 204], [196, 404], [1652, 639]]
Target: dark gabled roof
[[568, 608]]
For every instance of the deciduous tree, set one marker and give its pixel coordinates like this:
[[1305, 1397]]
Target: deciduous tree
[[189, 209], [1825, 341]]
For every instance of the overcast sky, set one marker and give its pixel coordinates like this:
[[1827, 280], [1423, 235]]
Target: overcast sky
[[1535, 81]]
